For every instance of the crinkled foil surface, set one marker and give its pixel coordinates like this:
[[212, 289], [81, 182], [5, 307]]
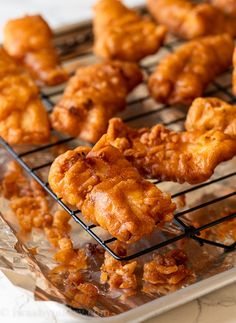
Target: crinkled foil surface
[[205, 260]]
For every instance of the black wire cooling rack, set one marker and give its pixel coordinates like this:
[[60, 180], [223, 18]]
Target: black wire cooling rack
[[75, 45]]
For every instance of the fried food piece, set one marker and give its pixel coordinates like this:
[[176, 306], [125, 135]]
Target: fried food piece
[[70, 281], [23, 118], [27, 199], [59, 228], [29, 41], [69, 256], [68, 277], [234, 72], [109, 191], [212, 113], [167, 271], [184, 75], [228, 6], [31, 212], [118, 274], [121, 33], [187, 20], [160, 153], [92, 97]]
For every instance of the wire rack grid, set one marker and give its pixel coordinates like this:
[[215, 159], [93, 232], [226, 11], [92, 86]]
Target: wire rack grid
[[75, 45]]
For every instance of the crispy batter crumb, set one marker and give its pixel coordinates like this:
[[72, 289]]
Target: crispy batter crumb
[[118, 274], [70, 256], [71, 281], [166, 272]]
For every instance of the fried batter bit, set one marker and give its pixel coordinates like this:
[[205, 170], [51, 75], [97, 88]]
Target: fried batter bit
[[116, 273], [184, 75], [109, 191], [23, 118], [121, 33], [187, 20], [92, 97], [228, 6], [234, 72], [29, 41], [160, 153], [212, 113], [167, 272]]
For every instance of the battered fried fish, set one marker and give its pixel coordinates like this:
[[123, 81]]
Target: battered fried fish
[[110, 192], [188, 20], [23, 118], [160, 153], [212, 113], [182, 76], [92, 97], [121, 33], [29, 40], [228, 6]]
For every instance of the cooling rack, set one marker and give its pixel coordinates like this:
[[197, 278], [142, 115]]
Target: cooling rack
[[75, 45]]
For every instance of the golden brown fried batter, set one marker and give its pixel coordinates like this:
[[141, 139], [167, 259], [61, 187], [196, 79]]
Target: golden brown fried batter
[[27, 199], [23, 118], [188, 20], [29, 40], [70, 280], [67, 276], [121, 33], [166, 271], [184, 75], [212, 113], [234, 72], [116, 273], [228, 6], [59, 227], [160, 153], [69, 256], [92, 97], [109, 191]]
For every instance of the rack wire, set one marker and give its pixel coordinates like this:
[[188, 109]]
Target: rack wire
[[74, 44]]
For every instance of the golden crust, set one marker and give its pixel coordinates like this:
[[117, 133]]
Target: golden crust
[[120, 33], [188, 20], [109, 191], [29, 40], [92, 97], [228, 6], [234, 72], [118, 274], [166, 271], [23, 118], [160, 153], [183, 75], [212, 113]]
